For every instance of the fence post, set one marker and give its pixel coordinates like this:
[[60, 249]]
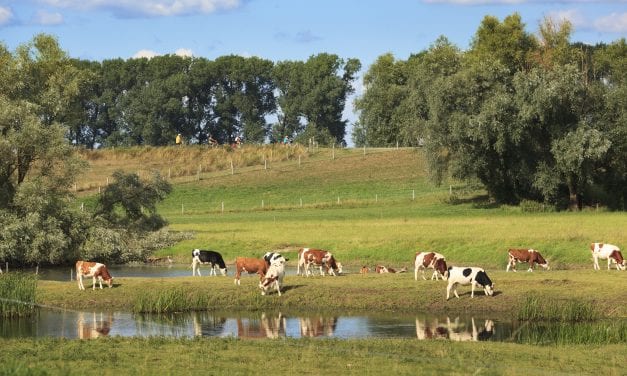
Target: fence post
[[413, 194], [364, 149], [169, 172], [222, 206], [299, 161], [182, 208], [301, 202], [334, 151], [232, 170], [265, 164], [450, 190], [338, 200]]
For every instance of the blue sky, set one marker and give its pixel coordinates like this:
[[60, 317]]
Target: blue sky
[[285, 29]]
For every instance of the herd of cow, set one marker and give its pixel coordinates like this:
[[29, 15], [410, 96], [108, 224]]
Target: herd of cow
[[271, 268]]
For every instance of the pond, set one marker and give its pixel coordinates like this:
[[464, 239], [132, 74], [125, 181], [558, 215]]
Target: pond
[[83, 325]]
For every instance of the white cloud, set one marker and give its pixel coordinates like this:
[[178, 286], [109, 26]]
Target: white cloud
[[149, 8], [497, 2], [44, 18], [145, 53], [5, 15], [615, 22], [574, 16], [185, 52]]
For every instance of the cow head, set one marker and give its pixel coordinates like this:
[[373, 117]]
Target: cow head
[[440, 265], [541, 261], [482, 279], [223, 271], [106, 276], [618, 259], [595, 246]]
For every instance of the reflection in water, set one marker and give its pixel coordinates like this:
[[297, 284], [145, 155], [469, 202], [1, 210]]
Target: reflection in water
[[96, 327], [456, 330], [317, 326], [73, 324], [267, 326]]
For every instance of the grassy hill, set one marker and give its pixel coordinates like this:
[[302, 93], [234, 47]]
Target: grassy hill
[[372, 206]]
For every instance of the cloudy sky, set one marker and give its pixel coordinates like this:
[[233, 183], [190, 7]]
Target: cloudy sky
[[285, 29]]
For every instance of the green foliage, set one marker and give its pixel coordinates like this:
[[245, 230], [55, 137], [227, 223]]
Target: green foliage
[[130, 203], [17, 294], [538, 309]]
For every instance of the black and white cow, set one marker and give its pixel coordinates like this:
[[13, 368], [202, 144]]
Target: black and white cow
[[207, 257], [270, 257], [468, 276]]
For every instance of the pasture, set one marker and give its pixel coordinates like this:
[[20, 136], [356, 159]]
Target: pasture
[[367, 208]]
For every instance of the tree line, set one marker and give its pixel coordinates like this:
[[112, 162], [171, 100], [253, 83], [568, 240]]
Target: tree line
[[529, 117], [150, 101]]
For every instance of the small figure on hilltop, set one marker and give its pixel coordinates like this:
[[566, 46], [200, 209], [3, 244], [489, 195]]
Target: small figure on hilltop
[[286, 140], [179, 139]]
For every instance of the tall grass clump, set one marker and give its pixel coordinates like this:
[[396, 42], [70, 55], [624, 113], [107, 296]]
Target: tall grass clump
[[17, 294], [588, 333], [170, 300], [537, 309]]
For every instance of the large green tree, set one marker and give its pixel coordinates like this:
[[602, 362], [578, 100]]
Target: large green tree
[[37, 165]]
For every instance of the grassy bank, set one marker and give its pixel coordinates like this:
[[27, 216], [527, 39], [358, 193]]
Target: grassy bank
[[355, 292], [113, 356]]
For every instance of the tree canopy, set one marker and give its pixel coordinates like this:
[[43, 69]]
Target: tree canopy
[[530, 117]]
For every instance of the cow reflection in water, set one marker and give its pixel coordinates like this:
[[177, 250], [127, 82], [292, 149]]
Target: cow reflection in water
[[207, 325], [98, 326], [317, 326], [454, 330], [268, 326]]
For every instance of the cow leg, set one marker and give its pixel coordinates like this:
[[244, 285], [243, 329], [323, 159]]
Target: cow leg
[[278, 287], [321, 272], [595, 260], [609, 261], [80, 282], [530, 266], [472, 290], [237, 275]]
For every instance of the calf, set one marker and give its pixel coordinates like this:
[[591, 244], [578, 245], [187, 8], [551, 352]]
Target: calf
[[383, 269], [274, 276], [207, 257], [95, 270], [250, 266], [308, 257], [432, 260], [531, 256], [468, 276], [607, 251]]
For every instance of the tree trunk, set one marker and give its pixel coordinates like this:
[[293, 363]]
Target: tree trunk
[[573, 197]]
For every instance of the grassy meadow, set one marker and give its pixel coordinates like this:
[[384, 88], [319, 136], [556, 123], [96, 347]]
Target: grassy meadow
[[367, 207]]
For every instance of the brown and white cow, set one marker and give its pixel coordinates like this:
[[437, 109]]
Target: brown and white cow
[[430, 260], [380, 269], [95, 270], [532, 256], [318, 257], [607, 251], [250, 265]]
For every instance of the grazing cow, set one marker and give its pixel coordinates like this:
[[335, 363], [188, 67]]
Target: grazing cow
[[609, 252], [308, 257], [531, 256], [95, 270], [433, 260], [468, 276], [250, 266], [207, 257], [274, 275]]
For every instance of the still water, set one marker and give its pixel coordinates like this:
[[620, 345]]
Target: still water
[[84, 325]]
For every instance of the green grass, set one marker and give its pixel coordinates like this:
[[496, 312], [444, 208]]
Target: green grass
[[17, 294], [123, 356]]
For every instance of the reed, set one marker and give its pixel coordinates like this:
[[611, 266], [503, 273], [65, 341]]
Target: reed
[[170, 300], [541, 309], [593, 333], [17, 294]]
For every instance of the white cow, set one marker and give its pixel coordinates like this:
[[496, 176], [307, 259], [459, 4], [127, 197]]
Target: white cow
[[609, 252], [274, 276], [468, 276]]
